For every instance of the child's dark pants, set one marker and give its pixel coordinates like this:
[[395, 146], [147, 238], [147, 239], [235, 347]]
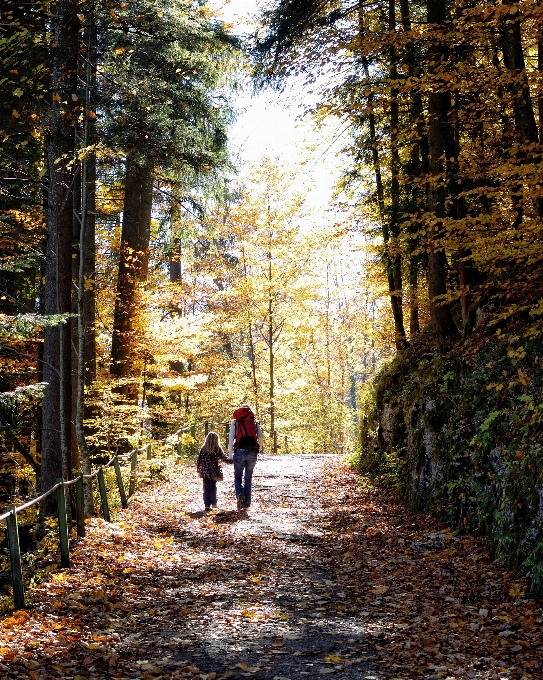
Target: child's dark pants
[[210, 491]]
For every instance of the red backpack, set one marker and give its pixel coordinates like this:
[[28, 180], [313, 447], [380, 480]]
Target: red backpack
[[246, 433]]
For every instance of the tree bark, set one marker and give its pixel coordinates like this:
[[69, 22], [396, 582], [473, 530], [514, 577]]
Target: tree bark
[[271, 347], [439, 106], [175, 263], [414, 323], [74, 322], [418, 166], [468, 275], [513, 57], [89, 234], [540, 97], [395, 257], [56, 414], [525, 123], [86, 308], [397, 312], [419, 150], [133, 263], [252, 345], [392, 264], [176, 269]]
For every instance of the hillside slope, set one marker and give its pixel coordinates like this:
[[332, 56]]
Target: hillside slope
[[461, 436]]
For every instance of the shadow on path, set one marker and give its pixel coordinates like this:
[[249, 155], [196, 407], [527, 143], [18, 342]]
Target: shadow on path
[[323, 576]]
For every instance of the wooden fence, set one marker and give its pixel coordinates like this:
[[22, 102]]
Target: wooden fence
[[60, 489], [226, 425]]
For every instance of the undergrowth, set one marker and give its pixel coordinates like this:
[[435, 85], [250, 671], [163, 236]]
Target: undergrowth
[[461, 437], [40, 550]]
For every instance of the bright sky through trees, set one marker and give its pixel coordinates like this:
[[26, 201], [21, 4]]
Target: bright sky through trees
[[270, 124]]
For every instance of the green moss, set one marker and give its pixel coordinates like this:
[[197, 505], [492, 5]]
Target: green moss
[[461, 437]]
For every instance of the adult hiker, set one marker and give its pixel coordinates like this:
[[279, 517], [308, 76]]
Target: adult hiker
[[244, 443]]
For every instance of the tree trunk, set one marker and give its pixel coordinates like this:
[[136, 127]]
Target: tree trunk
[[540, 97], [252, 345], [56, 414], [175, 263], [513, 57], [418, 166], [468, 275], [175, 267], [86, 336], [397, 313], [89, 269], [89, 234], [252, 355], [414, 324], [327, 329], [525, 124], [439, 106], [419, 151], [270, 347], [394, 229], [133, 263], [74, 322]]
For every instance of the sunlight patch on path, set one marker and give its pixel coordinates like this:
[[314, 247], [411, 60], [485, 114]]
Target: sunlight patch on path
[[323, 576]]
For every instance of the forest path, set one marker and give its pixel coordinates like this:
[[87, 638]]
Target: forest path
[[323, 576]]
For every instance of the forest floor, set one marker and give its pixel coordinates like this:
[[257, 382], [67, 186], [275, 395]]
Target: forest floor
[[324, 575]]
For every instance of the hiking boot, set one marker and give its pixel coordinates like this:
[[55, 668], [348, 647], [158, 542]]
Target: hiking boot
[[207, 508], [241, 502], [214, 507]]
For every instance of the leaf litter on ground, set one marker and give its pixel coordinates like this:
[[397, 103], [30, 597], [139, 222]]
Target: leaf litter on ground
[[324, 575]]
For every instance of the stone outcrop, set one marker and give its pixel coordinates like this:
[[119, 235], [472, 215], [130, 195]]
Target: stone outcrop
[[462, 438]]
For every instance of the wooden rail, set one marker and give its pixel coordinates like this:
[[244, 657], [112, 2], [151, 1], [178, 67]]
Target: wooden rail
[[178, 445], [60, 488]]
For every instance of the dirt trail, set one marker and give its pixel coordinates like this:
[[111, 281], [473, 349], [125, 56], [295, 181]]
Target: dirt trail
[[322, 576]]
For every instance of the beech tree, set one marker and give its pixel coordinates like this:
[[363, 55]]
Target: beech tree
[[297, 337], [439, 134], [440, 101], [263, 227]]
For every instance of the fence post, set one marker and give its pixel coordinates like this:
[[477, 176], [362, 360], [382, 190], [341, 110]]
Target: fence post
[[63, 525], [133, 465], [286, 444], [80, 505], [120, 483], [179, 447], [103, 494], [15, 559], [275, 441], [149, 451], [206, 428]]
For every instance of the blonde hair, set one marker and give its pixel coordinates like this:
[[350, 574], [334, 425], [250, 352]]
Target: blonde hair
[[212, 444]]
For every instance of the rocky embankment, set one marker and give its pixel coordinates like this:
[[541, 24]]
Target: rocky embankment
[[461, 436]]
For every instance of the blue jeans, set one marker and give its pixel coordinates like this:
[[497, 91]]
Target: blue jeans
[[210, 491], [244, 462]]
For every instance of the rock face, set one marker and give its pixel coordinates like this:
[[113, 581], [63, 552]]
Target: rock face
[[422, 453], [462, 438]]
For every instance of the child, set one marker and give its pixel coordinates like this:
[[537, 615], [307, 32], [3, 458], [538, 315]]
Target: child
[[207, 466]]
